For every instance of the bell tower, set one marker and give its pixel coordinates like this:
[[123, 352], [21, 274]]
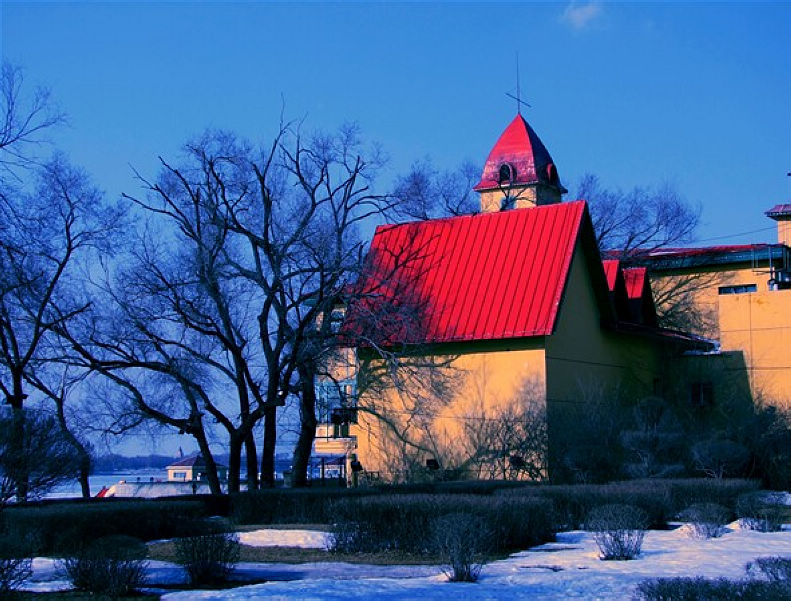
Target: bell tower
[[519, 171]]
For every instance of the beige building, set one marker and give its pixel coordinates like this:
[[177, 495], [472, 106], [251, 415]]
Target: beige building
[[744, 294]]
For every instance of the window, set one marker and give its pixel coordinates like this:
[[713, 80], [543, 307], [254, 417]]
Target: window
[[739, 289], [179, 475], [506, 175], [338, 399], [336, 320], [701, 394]]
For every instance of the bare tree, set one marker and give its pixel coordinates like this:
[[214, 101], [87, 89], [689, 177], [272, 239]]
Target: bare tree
[[195, 307], [50, 230], [426, 192], [300, 228], [52, 220], [43, 460], [633, 226], [640, 221], [26, 117], [57, 386]]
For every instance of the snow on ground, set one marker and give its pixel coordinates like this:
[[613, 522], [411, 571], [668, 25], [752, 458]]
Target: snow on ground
[[306, 539], [566, 569]]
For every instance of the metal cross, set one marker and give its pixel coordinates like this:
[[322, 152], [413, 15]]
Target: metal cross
[[518, 97]]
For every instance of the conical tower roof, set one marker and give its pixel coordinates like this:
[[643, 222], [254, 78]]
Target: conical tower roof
[[527, 160]]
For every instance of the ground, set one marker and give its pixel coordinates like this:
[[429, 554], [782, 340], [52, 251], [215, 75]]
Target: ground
[[566, 569]]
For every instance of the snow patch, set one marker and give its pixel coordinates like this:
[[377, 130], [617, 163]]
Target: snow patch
[[304, 539]]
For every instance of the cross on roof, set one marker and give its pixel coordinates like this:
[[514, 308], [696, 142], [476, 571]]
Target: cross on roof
[[518, 97]]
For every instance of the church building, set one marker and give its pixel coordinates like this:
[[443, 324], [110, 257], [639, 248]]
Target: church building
[[507, 313]]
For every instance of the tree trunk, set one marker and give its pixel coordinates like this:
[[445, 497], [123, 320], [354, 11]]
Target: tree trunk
[[77, 445], [17, 446], [307, 429], [211, 466], [84, 475], [234, 462], [268, 448], [252, 461]]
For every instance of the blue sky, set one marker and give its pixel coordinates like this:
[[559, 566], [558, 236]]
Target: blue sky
[[694, 94]]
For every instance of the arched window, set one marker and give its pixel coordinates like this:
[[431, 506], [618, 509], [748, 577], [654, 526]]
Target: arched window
[[507, 174]]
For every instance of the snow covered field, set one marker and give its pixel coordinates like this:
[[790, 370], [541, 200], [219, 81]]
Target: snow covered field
[[566, 569]]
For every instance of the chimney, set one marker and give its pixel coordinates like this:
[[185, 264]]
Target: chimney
[[782, 215]]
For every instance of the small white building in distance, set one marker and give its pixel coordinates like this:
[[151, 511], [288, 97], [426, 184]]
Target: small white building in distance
[[193, 469]]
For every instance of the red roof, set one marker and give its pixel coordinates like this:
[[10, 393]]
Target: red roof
[[611, 267], [479, 277], [703, 250], [635, 278], [520, 147]]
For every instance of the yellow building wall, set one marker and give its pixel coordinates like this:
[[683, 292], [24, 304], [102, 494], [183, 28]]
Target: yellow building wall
[[759, 325], [581, 362], [521, 197], [405, 428], [702, 284], [588, 365]]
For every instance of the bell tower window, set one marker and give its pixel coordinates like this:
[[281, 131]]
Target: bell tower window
[[506, 175]]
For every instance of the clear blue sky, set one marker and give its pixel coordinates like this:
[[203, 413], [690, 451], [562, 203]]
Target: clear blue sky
[[696, 94]]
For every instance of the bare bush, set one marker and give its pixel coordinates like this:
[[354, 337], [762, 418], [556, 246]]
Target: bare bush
[[756, 512], [618, 530], [703, 589], [208, 558], [13, 572], [15, 561], [462, 541], [720, 458], [112, 566], [705, 520], [773, 569], [111, 576]]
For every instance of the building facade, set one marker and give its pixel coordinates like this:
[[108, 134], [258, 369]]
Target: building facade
[[506, 316]]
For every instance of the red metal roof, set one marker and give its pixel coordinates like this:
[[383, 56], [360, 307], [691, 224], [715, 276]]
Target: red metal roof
[[635, 278], [703, 250], [611, 267], [520, 147], [480, 277]]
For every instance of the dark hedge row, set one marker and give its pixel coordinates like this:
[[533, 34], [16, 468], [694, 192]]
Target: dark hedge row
[[405, 522], [64, 528], [702, 589], [662, 500]]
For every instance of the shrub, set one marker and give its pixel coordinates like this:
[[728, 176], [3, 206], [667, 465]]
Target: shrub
[[111, 566], [757, 512], [13, 572], [15, 563], [573, 503], [705, 520], [208, 558], [724, 492], [289, 506], [702, 589], [65, 528], [461, 540], [618, 530], [404, 522], [774, 569]]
